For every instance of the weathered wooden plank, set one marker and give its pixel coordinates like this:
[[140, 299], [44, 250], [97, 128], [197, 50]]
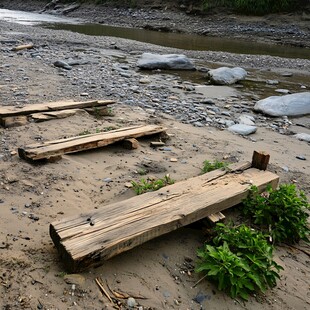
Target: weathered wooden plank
[[52, 106], [46, 116], [82, 143], [96, 236]]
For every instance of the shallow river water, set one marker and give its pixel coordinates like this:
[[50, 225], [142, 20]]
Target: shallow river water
[[176, 40]]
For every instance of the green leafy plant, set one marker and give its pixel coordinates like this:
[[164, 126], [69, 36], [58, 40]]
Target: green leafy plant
[[282, 212], [210, 166], [239, 261], [146, 185]]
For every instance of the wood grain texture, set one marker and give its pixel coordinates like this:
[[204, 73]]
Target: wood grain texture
[[52, 106], [53, 148], [91, 238]]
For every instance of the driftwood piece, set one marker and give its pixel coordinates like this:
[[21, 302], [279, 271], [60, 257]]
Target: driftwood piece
[[260, 160], [13, 121], [52, 106], [22, 47], [91, 238], [87, 142]]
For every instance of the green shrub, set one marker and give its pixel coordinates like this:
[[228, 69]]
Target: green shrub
[[239, 261], [282, 212], [146, 185]]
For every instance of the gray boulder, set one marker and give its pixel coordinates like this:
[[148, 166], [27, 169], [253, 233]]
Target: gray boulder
[[242, 129], [303, 137], [246, 120], [150, 61], [289, 105], [227, 76]]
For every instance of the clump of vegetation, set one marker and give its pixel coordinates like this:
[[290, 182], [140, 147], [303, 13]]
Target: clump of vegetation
[[259, 7], [210, 166], [239, 261], [282, 212], [146, 185]]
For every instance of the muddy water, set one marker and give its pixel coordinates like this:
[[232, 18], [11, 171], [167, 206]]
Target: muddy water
[[182, 41], [187, 41]]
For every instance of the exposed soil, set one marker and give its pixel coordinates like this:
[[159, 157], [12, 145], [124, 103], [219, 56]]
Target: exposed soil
[[34, 195]]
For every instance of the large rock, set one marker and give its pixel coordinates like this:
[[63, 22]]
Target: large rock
[[289, 105], [303, 137], [227, 76], [170, 61]]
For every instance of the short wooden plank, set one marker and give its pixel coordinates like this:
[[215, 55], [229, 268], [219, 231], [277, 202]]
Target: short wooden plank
[[46, 116], [91, 238], [52, 106], [216, 217], [82, 143]]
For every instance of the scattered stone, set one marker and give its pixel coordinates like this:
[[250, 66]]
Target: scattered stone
[[131, 302], [287, 74], [282, 91], [272, 82], [285, 169], [246, 120], [62, 64], [107, 180], [226, 76], [303, 137], [173, 160], [301, 157], [289, 105], [242, 129], [76, 279], [150, 61], [128, 185]]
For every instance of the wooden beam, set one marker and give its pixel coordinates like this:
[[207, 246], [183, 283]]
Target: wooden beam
[[52, 106], [91, 238], [49, 149], [260, 160]]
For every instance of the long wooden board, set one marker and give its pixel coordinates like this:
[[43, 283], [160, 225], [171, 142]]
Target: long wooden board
[[52, 106], [93, 237], [82, 143]]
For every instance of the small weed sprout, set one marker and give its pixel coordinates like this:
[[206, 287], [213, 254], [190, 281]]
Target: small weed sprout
[[210, 166], [146, 185]]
